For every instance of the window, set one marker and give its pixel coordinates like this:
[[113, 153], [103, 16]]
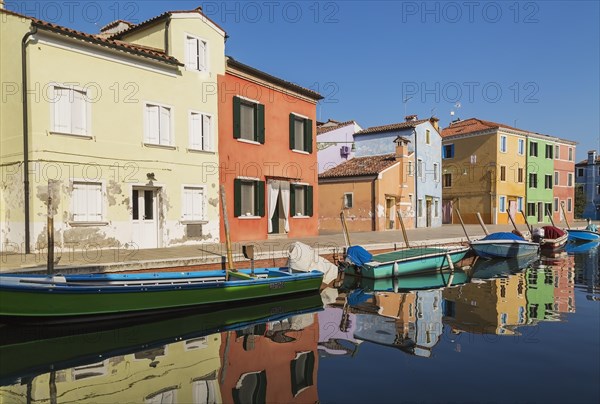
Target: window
[[569, 204], [521, 147], [447, 180], [193, 204], [557, 152], [206, 390], [419, 168], [580, 172], [436, 207], [435, 172], [302, 369], [533, 149], [251, 388], [531, 209], [503, 147], [548, 208], [70, 111], [427, 137], [548, 182], [570, 154], [549, 151], [158, 125], [520, 203], [249, 198], [520, 174], [196, 54], [420, 208], [248, 120], [556, 203], [301, 135], [348, 200], [301, 200], [200, 131], [502, 204], [570, 179], [410, 168], [502, 173], [168, 396], [532, 180], [448, 151], [87, 202]]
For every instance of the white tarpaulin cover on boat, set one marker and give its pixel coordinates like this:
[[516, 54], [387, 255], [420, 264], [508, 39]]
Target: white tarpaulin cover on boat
[[305, 258]]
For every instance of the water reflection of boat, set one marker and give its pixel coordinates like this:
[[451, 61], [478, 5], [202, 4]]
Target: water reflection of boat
[[580, 248], [485, 269], [27, 351], [404, 283]]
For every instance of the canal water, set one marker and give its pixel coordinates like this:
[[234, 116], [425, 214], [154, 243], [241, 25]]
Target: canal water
[[502, 331]]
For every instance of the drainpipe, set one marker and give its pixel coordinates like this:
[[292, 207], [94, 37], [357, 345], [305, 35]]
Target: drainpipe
[[167, 25], [26, 135], [416, 180], [373, 206]]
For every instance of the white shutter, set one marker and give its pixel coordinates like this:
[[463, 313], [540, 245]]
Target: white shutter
[[201, 55], [191, 54], [187, 204], [78, 114], [165, 126], [195, 131], [62, 110], [79, 213], [197, 204], [206, 132], [94, 202], [152, 122]]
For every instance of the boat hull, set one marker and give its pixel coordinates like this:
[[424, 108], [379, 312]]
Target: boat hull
[[80, 297], [583, 235], [554, 244], [504, 248], [430, 261]]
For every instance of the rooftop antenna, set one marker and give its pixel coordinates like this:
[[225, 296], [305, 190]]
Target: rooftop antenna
[[406, 102], [515, 123], [432, 111]]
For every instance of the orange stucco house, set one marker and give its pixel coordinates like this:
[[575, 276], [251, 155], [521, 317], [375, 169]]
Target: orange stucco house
[[267, 154], [370, 190]]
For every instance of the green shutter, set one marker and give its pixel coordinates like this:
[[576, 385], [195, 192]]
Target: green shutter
[[292, 121], [292, 200], [308, 135], [237, 125], [237, 198], [260, 198], [260, 123], [309, 200]]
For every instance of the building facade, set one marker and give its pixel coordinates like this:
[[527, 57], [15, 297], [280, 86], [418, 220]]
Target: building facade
[[267, 154], [335, 143], [564, 181], [113, 129], [587, 176]]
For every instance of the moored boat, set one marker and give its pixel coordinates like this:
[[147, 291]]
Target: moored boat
[[407, 261], [408, 283], [90, 297], [583, 235], [504, 245], [551, 238]]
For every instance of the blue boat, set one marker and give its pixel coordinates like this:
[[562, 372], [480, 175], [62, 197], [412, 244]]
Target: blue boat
[[504, 245], [408, 261], [579, 248], [583, 235], [487, 269]]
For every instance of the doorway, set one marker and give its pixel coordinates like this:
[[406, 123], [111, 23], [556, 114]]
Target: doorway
[[540, 212], [428, 201], [512, 209], [278, 192], [447, 211], [390, 213], [144, 202], [278, 219]]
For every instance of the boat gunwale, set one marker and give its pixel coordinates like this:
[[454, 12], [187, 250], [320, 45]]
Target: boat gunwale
[[443, 251]]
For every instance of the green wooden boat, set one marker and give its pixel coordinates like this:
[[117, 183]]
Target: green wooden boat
[[408, 261], [27, 351], [94, 296]]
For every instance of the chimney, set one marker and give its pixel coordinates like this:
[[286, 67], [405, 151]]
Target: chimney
[[1, 4], [591, 156], [401, 147], [435, 123], [410, 118]]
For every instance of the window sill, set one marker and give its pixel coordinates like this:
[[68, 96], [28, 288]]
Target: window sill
[[200, 151], [86, 137], [301, 217], [193, 221], [300, 151], [160, 146], [87, 224], [249, 217], [254, 142]]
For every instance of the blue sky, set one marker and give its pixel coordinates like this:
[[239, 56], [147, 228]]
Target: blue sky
[[533, 64]]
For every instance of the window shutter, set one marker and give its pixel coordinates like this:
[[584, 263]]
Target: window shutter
[[191, 54], [165, 126], [308, 135], [78, 114], [62, 110], [187, 204], [201, 55], [237, 198], [260, 123], [292, 125], [206, 132], [260, 198], [292, 200], [309, 200], [152, 112], [195, 134], [197, 204], [94, 202], [237, 125], [79, 212]]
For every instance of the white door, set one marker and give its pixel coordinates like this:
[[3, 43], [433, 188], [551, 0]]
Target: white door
[[144, 217]]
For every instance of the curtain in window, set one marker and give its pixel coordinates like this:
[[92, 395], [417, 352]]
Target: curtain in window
[[273, 194], [247, 121], [284, 186]]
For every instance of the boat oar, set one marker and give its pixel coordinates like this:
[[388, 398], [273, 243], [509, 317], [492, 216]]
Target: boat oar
[[549, 213], [230, 267], [403, 229], [345, 229], [562, 206], [526, 222], [485, 230], [462, 224], [513, 223]]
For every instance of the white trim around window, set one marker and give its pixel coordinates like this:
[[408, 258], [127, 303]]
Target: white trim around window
[[157, 132], [70, 110], [502, 204], [193, 211], [196, 53], [201, 128], [505, 138], [87, 205]]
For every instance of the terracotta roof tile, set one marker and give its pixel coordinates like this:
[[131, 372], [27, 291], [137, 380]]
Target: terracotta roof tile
[[321, 130], [472, 125], [358, 166], [391, 127]]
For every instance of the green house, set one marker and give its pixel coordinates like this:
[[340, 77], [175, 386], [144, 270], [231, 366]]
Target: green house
[[539, 178]]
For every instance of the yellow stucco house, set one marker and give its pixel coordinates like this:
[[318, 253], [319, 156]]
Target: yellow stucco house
[[120, 127]]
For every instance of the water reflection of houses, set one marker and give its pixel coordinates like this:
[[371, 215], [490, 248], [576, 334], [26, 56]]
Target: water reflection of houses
[[271, 362], [336, 332], [564, 285]]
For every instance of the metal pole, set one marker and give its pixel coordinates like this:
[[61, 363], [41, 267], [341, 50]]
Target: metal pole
[[485, 230], [562, 206], [50, 233], [227, 237], [549, 213], [345, 229], [462, 224], [526, 222], [513, 222], [403, 229]]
